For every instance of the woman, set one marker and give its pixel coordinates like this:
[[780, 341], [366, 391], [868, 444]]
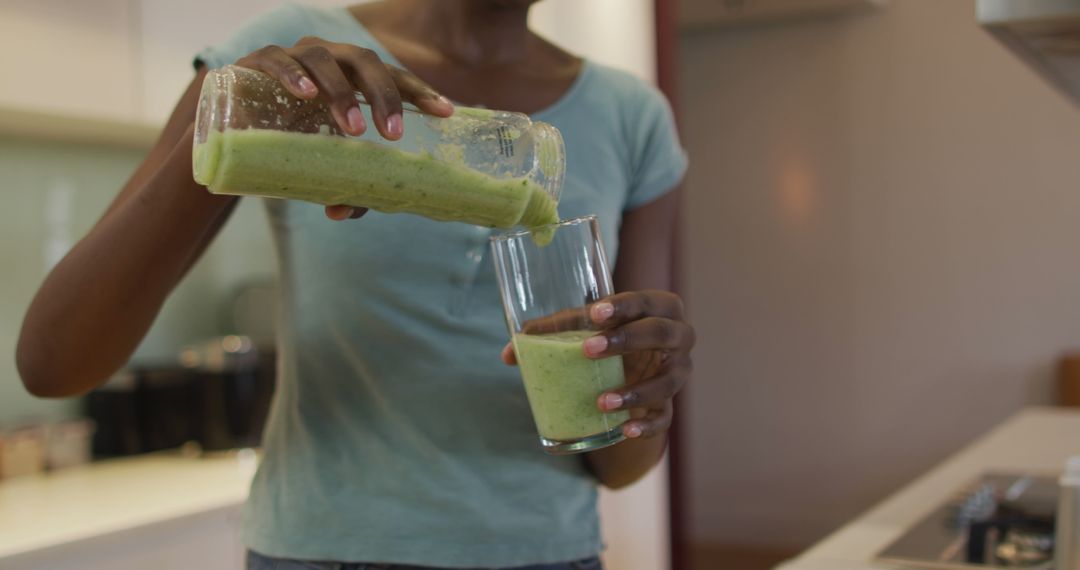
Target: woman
[[396, 438]]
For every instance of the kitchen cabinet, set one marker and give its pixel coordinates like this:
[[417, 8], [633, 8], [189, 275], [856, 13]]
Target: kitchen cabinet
[[1045, 34], [708, 14], [113, 63], [68, 58]]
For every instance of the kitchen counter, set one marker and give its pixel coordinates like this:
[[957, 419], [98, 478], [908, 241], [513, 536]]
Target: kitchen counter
[[1035, 440], [124, 513], [170, 512]]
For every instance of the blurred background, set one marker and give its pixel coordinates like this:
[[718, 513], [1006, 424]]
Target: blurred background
[[877, 249]]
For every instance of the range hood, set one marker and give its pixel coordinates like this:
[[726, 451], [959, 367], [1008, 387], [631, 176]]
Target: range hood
[[1044, 33]]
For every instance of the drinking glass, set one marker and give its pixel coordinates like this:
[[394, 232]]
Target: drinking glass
[[546, 288]]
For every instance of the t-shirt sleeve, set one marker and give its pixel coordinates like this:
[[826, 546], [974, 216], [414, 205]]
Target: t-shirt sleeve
[[283, 26], [658, 159]]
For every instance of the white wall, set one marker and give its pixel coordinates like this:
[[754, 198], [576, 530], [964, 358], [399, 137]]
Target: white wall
[[149, 45], [882, 232], [618, 33]]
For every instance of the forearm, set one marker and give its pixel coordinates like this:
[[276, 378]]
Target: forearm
[[621, 465], [96, 305]]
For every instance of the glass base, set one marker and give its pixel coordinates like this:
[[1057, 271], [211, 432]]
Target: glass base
[[570, 446]]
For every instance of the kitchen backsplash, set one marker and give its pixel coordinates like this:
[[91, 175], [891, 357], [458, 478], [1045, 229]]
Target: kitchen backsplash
[[52, 193]]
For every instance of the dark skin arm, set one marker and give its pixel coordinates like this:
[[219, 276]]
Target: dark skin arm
[[98, 302], [96, 305], [645, 324]]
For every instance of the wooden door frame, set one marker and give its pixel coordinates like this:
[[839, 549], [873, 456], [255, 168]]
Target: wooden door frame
[[667, 43]]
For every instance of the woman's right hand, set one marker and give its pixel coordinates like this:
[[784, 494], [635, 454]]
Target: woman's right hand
[[315, 67]]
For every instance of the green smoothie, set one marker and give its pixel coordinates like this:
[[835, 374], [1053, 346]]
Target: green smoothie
[[338, 170], [563, 385]]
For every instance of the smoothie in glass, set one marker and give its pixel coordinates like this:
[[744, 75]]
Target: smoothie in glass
[[563, 385]]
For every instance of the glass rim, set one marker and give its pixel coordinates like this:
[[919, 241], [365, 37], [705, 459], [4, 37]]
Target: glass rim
[[515, 234]]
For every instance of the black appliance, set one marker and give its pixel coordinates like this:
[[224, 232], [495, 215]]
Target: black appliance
[[218, 397]]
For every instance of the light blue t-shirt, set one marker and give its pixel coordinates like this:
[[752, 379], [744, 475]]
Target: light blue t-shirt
[[397, 435]]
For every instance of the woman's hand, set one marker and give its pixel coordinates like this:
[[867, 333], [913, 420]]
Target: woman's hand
[[649, 330], [334, 71]]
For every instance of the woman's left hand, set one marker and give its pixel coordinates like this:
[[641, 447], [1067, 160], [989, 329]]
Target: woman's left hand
[[649, 330]]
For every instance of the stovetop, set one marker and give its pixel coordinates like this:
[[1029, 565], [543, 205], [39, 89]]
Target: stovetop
[[999, 521]]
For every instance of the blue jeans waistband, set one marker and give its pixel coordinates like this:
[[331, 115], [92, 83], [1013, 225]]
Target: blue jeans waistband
[[256, 561]]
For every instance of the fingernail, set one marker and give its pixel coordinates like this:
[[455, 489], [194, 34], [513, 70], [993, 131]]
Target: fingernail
[[612, 401], [355, 119], [445, 101], [394, 126], [633, 430], [596, 344], [306, 85], [602, 311]]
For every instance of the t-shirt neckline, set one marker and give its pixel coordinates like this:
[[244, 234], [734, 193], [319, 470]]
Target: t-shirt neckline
[[388, 56]]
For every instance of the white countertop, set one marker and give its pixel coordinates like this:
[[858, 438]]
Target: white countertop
[[1035, 440], [111, 497], [50, 510], [161, 510]]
